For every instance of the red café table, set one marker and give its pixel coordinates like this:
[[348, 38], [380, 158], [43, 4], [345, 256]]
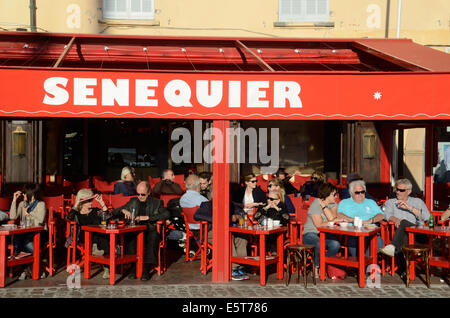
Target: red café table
[[262, 262], [359, 261], [111, 260], [8, 230], [440, 261]]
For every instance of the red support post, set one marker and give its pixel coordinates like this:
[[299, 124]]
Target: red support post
[[429, 140], [221, 199]]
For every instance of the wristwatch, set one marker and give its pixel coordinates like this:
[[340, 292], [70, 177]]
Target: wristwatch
[[324, 207]]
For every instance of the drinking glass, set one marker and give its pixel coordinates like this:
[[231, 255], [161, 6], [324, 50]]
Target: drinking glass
[[133, 215]]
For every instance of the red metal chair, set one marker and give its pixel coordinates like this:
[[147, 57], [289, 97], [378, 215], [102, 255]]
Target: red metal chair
[[51, 244], [153, 181], [387, 233], [74, 247], [262, 180], [299, 181], [179, 178], [118, 200], [104, 186], [333, 181], [161, 228], [201, 239], [5, 203], [167, 197]]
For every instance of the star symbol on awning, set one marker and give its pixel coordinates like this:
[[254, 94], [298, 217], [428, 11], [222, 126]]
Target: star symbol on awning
[[377, 95]]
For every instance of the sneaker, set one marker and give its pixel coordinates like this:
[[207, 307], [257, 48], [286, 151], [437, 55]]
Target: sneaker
[[239, 275], [388, 250], [23, 276], [105, 272], [236, 276]]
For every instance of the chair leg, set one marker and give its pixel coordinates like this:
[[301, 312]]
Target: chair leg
[[427, 263], [305, 269], [313, 263], [407, 268], [288, 268]]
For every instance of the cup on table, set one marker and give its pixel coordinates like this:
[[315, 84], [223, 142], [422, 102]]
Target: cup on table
[[330, 223], [276, 222], [270, 223], [241, 221]]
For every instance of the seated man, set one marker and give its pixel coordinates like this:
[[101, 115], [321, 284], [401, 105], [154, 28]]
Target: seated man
[[192, 197], [148, 210], [166, 185], [358, 206], [206, 185], [404, 211]]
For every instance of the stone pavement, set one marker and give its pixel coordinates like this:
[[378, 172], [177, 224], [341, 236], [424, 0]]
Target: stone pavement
[[253, 290]]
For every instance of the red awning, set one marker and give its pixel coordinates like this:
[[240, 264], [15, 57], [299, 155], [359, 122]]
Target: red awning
[[62, 75]]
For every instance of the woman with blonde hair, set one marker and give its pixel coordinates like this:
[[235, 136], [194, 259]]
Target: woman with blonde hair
[[277, 185], [126, 184], [83, 213]]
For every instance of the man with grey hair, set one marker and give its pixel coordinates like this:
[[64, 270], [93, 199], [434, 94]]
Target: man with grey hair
[[192, 197], [404, 211], [358, 206]]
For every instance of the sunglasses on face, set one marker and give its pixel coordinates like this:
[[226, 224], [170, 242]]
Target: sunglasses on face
[[252, 181], [142, 194], [401, 190], [360, 192], [272, 199]]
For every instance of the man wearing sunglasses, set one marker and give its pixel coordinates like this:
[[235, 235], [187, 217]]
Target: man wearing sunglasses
[[359, 206], [404, 211], [148, 211]]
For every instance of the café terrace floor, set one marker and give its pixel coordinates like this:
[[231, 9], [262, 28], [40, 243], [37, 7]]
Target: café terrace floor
[[184, 280]]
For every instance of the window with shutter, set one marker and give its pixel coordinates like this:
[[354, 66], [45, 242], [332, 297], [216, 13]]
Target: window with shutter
[[303, 10], [129, 9]]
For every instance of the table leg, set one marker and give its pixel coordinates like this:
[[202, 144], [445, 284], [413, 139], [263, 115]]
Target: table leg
[[322, 256], [412, 263], [280, 256], [140, 254], [361, 262], [87, 254], [112, 258], [230, 255], [373, 248], [262, 260], [36, 251], [2, 260]]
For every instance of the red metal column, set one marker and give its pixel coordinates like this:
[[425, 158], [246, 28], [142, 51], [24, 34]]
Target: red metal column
[[386, 156], [429, 139], [221, 200]]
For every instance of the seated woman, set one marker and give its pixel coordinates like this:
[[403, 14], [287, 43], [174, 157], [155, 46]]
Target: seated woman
[[32, 209], [277, 185], [127, 184], [84, 214], [311, 187], [245, 199], [250, 196], [321, 211], [275, 209]]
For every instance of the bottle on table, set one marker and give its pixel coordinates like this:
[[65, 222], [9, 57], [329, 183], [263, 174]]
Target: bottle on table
[[431, 221]]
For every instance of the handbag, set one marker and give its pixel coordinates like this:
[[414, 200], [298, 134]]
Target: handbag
[[336, 272]]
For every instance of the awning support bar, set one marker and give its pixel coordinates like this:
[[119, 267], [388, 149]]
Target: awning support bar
[[259, 60], [64, 53]]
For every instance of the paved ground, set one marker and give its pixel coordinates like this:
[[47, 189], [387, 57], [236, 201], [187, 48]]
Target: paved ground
[[184, 280]]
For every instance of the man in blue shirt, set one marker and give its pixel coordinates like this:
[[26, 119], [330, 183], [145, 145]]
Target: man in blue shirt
[[358, 206], [192, 197]]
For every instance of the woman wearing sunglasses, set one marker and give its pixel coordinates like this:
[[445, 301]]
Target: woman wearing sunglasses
[[275, 209], [311, 187], [83, 213], [250, 196], [277, 185]]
